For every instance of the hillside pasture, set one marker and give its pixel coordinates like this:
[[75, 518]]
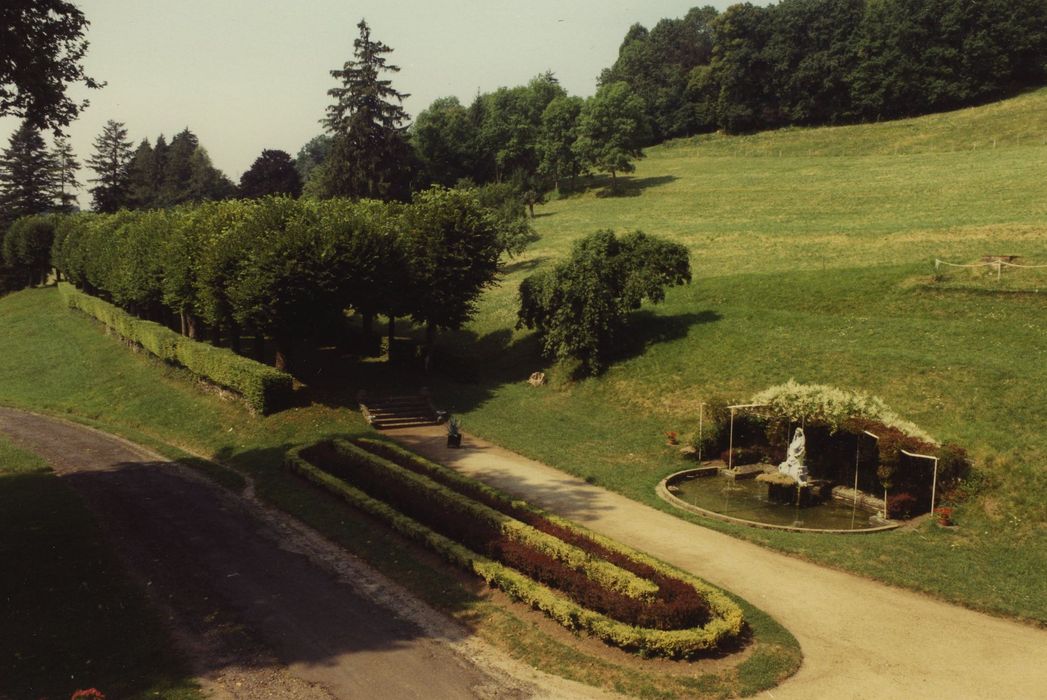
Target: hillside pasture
[[813, 253]]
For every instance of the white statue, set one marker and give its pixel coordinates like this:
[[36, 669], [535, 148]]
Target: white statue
[[793, 464]]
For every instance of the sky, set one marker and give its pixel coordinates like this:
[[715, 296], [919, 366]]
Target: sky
[[246, 75]]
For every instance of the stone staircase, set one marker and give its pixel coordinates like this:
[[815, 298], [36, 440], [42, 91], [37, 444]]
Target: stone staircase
[[398, 411]]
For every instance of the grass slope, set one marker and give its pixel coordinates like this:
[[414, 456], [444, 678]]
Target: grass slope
[[72, 618], [817, 264], [60, 362]]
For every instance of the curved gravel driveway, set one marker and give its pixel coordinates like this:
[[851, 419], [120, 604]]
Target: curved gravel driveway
[[251, 596], [860, 638]]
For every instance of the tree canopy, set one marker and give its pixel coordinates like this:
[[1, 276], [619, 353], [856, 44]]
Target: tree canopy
[[612, 130], [580, 307], [273, 172], [815, 62], [42, 46]]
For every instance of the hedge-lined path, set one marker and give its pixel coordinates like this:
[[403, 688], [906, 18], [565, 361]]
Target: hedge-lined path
[[262, 605], [860, 638]]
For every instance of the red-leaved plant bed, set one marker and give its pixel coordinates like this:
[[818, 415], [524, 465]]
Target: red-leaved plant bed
[[677, 595], [674, 606]]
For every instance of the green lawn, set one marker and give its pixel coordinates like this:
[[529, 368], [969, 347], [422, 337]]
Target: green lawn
[[72, 619], [813, 257], [60, 362], [817, 264]]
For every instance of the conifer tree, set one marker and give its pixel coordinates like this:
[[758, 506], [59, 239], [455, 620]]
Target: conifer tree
[[370, 156], [143, 177], [64, 183], [26, 175], [110, 162], [178, 169]]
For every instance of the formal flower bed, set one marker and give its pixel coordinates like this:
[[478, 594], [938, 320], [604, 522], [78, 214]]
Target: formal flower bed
[[582, 580]]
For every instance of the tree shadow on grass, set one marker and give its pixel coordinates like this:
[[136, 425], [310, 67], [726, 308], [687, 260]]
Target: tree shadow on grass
[[523, 265], [646, 328], [631, 186]]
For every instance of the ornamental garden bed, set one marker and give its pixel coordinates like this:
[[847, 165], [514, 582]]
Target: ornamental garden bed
[[584, 581]]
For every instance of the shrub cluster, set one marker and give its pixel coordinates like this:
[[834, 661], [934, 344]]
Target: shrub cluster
[[25, 250], [263, 388], [469, 524]]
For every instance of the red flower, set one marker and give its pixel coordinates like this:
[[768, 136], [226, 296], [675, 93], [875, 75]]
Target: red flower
[[89, 694]]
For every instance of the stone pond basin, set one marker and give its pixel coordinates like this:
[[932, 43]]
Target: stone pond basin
[[736, 496]]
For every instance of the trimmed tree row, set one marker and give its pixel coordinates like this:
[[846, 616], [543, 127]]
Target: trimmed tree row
[[286, 269]]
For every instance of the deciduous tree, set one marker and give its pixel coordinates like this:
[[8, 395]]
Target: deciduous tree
[[42, 46], [612, 130], [273, 172], [452, 249]]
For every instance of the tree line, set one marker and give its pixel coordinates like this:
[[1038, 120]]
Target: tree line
[[285, 269], [814, 62]]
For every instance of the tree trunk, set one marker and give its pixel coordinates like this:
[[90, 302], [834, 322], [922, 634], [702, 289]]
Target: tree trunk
[[259, 345], [283, 354], [190, 326], [392, 333], [184, 323], [234, 338], [430, 338], [614, 182], [530, 206]]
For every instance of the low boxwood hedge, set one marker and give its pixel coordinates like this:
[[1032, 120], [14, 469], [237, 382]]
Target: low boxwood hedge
[[264, 389], [724, 619]]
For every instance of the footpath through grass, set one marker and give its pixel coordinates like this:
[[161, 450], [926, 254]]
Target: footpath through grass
[[72, 619], [60, 362]]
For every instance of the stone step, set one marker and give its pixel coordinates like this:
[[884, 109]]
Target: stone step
[[398, 411]]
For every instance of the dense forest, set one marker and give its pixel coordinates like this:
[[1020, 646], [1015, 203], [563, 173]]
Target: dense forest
[[812, 62]]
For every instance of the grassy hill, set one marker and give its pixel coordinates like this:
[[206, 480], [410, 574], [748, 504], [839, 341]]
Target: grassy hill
[[813, 257], [813, 254]]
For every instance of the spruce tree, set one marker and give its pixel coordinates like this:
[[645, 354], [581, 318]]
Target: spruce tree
[[26, 175], [64, 183], [143, 176], [370, 156], [178, 169], [110, 162]]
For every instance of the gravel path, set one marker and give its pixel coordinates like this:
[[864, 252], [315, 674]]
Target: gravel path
[[860, 638], [265, 607]]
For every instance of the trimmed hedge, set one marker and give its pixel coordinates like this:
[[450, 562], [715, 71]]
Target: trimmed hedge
[[726, 618], [473, 516], [670, 582], [263, 388]]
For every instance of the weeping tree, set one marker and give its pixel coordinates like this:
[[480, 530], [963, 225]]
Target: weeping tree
[[580, 307]]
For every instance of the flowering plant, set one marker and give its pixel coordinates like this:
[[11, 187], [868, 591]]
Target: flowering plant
[[88, 694], [944, 515], [671, 437]]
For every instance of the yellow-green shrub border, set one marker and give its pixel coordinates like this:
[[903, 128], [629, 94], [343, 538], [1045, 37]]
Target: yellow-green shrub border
[[727, 618], [263, 388], [595, 568], [719, 603]]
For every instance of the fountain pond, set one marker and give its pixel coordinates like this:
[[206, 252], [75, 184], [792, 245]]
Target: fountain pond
[[746, 501]]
